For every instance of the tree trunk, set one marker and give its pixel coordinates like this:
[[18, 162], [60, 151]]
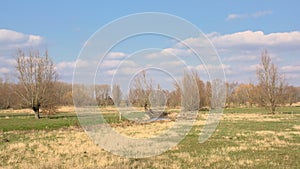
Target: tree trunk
[[273, 108], [36, 110], [37, 114]]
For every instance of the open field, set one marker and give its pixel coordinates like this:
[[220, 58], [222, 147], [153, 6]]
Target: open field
[[245, 138]]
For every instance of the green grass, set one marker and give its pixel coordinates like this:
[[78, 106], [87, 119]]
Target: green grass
[[30, 123], [269, 141], [25, 121], [255, 110], [243, 132]]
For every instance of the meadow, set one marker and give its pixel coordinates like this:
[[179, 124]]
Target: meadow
[[245, 138]]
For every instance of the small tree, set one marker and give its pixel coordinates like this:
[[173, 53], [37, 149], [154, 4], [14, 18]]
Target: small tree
[[231, 90], [218, 94], [37, 77], [271, 82], [201, 89], [116, 94], [189, 92]]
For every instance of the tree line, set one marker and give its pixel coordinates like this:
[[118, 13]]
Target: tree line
[[37, 87]]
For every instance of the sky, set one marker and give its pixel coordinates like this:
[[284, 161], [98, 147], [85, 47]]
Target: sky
[[239, 31]]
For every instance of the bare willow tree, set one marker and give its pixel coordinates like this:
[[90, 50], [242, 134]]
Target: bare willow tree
[[37, 78], [271, 82], [103, 95], [140, 90]]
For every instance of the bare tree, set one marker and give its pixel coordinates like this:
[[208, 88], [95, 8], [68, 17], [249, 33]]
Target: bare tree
[[291, 95], [218, 94], [140, 91], [271, 82], [158, 99], [64, 92], [37, 76], [103, 95], [208, 92], [174, 97], [247, 94], [6, 99], [230, 90], [116, 94], [190, 92]]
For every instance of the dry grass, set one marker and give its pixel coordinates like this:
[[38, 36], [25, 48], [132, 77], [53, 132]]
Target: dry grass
[[72, 148], [16, 111], [55, 149], [251, 117], [144, 130], [69, 109], [297, 127]]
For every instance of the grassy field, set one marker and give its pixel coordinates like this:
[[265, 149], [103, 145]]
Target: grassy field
[[245, 138]]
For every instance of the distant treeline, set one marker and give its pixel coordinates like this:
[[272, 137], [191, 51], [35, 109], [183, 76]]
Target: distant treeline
[[237, 95]]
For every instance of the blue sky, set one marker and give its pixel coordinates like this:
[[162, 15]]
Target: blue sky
[[238, 29]]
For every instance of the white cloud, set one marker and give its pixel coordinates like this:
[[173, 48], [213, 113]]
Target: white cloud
[[261, 13], [65, 65], [110, 63], [291, 68], [84, 63], [111, 72], [7, 61], [242, 58], [124, 71], [170, 52], [4, 70], [249, 68], [12, 40], [240, 52], [258, 39], [115, 63], [292, 76], [127, 67], [116, 55], [234, 16], [66, 68], [172, 64], [209, 68], [248, 15]]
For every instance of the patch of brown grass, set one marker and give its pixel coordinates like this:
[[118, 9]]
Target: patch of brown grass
[[17, 111], [66, 109], [56, 149], [297, 127], [145, 130], [251, 117]]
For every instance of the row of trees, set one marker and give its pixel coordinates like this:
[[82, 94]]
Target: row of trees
[[15, 96], [271, 90], [38, 88]]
